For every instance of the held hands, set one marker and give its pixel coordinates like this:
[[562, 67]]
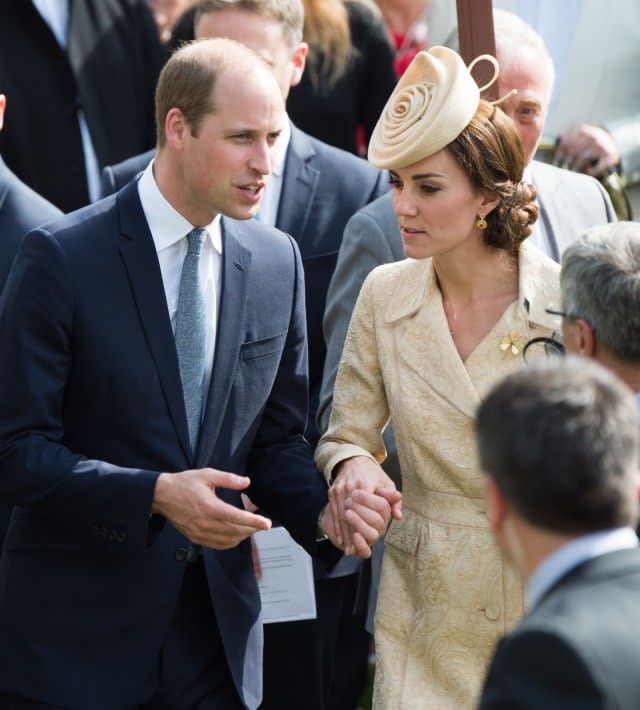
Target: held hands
[[362, 501], [188, 500]]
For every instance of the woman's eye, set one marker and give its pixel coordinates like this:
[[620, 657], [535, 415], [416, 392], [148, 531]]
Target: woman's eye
[[429, 189], [395, 183]]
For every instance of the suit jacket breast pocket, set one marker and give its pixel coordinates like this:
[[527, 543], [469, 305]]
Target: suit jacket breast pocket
[[255, 349]]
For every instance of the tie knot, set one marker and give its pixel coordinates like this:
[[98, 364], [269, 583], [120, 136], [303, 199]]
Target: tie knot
[[195, 239]]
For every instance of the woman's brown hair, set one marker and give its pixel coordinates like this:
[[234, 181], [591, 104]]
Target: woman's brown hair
[[490, 152]]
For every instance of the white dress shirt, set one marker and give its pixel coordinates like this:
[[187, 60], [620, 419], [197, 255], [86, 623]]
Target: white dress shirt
[[268, 211], [169, 230], [574, 553], [56, 14]]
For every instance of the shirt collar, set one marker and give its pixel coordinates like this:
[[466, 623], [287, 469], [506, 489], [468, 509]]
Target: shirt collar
[[280, 151], [166, 224], [574, 553]]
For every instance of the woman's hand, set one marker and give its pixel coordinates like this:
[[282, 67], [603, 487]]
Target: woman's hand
[[359, 473]]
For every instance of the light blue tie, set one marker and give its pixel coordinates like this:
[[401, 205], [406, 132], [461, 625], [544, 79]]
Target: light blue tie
[[191, 333]]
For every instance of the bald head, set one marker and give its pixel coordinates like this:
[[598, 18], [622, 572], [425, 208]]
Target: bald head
[[189, 78]]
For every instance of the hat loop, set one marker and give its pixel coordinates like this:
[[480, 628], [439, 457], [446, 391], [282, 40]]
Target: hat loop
[[496, 70]]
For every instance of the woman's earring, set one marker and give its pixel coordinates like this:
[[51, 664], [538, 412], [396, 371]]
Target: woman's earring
[[481, 223]]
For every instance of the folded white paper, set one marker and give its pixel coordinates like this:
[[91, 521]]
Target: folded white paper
[[286, 586]]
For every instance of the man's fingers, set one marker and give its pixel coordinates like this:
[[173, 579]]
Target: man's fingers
[[360, 546], [369, 532], [376, 519], [230, 514], [335, 512], [226, 479]]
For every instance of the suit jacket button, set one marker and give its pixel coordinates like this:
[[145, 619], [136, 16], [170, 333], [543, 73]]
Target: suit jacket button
[[104, 531], [122, 537], [181, 554], [492, 613]]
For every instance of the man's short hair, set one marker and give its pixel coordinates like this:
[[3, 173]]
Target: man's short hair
[[600, 282], [288, 13], [561, 440], [188, 79]]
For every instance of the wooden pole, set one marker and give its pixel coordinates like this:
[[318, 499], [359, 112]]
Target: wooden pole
[[476, 37]]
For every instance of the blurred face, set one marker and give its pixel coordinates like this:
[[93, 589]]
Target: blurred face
[[527, 73], [166, 13], [261, 34], [436, 206], [226, 166]]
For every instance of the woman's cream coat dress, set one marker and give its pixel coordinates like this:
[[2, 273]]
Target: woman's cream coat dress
[[446, 596]]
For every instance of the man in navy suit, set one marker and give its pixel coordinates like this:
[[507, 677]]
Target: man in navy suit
[[315, 188], [150, 349], [313, 192], [21, 209]]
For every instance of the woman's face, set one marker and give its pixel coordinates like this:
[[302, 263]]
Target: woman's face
[[436, 206]]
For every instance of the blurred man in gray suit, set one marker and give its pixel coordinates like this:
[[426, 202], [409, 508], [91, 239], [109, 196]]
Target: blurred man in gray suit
[[560, 445], [569, 203]]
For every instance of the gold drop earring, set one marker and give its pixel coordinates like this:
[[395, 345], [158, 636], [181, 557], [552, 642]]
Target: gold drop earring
[[481, 223]]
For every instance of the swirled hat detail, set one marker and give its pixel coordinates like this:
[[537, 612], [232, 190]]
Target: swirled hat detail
[[433, 102]]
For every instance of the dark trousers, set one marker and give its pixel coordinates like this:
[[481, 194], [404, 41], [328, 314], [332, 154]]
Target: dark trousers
[[319, 664], [192, 669]]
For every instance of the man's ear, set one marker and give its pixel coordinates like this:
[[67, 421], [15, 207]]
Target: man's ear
[[175, 127], [299, 59], [3, 105], [586, 338], [497, 507]]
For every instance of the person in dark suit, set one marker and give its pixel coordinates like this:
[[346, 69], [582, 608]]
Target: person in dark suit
[[158, 368], [315, 188], [21, 209], [560, 445], [73, 67]]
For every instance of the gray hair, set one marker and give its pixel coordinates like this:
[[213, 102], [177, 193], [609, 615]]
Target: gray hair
[[561, 440], [600, 282], [512, 33]]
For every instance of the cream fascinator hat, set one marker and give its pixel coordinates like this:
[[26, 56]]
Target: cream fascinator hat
[[432, 104]]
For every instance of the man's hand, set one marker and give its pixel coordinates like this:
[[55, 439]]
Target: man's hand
[[368, 515], [188, 500], [363, 474], [589, 149]]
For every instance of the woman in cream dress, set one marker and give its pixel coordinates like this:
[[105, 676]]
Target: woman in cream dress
[[428, 338]]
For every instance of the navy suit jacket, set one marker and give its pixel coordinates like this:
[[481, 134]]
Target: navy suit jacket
[[21, 209], [94, 412], [322, 188]]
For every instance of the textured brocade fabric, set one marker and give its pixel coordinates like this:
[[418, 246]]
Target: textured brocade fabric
[[446, 596]]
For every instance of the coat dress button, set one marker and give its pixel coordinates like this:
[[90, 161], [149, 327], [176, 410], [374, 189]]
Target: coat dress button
[[492, 613]]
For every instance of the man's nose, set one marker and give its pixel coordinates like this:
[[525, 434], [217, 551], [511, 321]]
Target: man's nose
[[261, 158]]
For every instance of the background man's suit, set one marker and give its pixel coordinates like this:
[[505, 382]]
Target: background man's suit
[[322, 188], [21, 210], [91, 415], [578, 647], [600, 84], [111, 66], [569, 205]]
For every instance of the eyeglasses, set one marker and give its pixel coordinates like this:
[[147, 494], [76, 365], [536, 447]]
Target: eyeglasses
[[569, 316]]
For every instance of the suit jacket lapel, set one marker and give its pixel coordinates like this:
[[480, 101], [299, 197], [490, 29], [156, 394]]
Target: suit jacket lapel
[[141, 261], [236, 261], [299, 183]]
